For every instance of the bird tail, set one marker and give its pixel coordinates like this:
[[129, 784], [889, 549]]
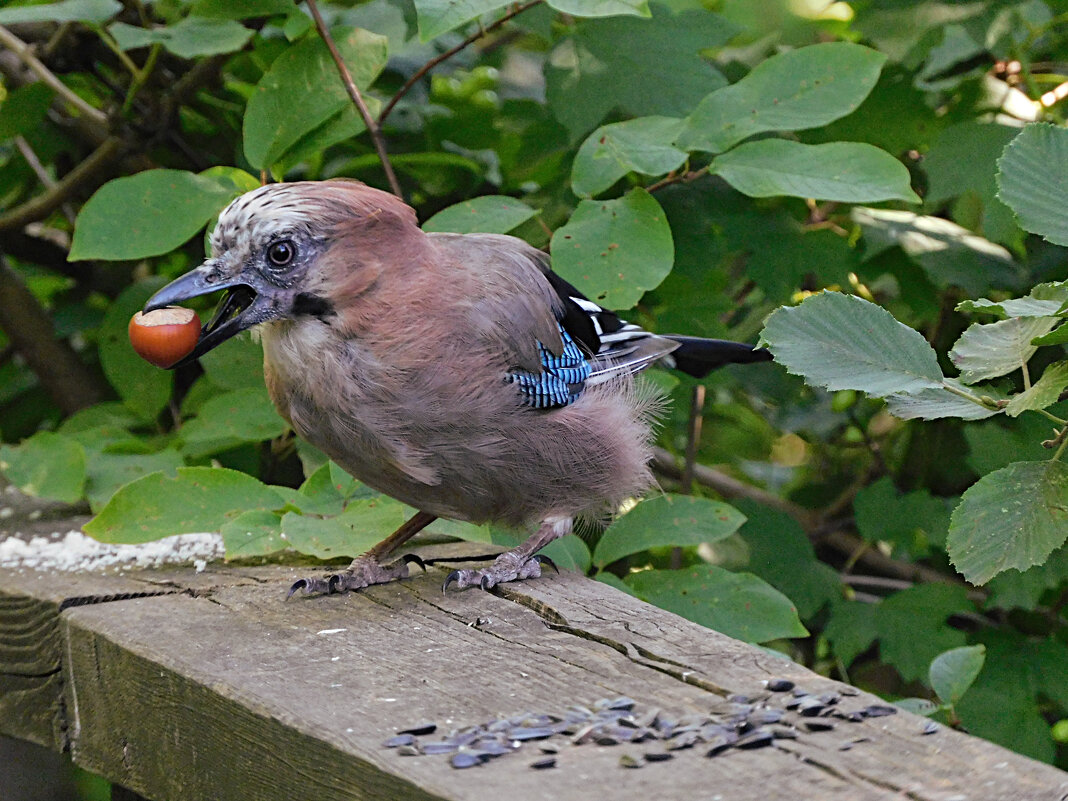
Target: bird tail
[[699, 357]]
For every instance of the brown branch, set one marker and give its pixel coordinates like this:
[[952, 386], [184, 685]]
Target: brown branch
[[730, 487], [40, 206], [357, 100], [452, 51], [676, 178], [42, 174], [837, 539], [70, 384], [25, 54]]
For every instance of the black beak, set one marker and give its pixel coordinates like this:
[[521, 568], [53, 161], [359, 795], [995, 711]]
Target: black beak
[[236, 312]]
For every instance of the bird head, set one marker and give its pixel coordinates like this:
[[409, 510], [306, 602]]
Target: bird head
[[271, 254]]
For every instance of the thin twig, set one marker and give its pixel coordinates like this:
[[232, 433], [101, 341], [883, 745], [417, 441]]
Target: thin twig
[[42, 174], [452, 51], [357, 99], [25, 54], [730, 487], [40, 206], [675, 178], [693, 439]]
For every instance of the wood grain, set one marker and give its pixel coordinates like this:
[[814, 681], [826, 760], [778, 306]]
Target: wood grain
[[221, 689]]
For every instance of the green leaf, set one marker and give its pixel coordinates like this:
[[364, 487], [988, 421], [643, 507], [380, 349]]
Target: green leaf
[[917, 706], [199, 499], [92, 11], [803, 88], [781, 553], [491, 214], [994, 349], [1014, 517], [232, 179], [736, 604], [601, 8], [1015, 590], [615, 250], [912, 626], [1002, 705], [954, 671], [962, 163], [143, 387], [192, 37], [441, 16], [257, 532], [909, 521], [948, 253], [235, 364], [938, 402], [1045, 392], [274, 122], [1030, 180], [47, 465], [24, 109], [642, 145], [667, 520], [146, 214], [1044, 300], [107, 471], [851, 629], [642, 67], [848, 172], [230, 419], [241, 9], [843, 342], [569, 553], [364, 523]]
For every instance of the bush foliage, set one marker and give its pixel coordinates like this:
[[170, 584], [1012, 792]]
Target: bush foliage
[[875, 190]]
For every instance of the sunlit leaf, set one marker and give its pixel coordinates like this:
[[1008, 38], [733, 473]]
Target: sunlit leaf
[[848, 172], [954, 671], [795, 90], [736, 604], [1030, 180], [491, 214], [843, 342], [667, 520], [615, 250], [199, 499], [1014, 517], [161, 209]]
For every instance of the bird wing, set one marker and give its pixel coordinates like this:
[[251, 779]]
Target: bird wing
[[559, 341]]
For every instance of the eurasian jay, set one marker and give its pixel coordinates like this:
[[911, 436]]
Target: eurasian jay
[[454, 372]]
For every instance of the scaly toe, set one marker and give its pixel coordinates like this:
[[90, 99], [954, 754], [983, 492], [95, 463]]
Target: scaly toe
[[307, 586], [509, 566]]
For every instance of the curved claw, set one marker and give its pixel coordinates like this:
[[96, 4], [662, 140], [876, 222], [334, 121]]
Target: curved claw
[[411, 558], [484, 584], [449, 579], [309, 585], [545, 560]]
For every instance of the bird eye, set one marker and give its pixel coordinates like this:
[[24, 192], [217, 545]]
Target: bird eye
[[281, 253]]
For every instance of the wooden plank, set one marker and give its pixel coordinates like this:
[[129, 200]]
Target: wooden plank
[[31, 638], [234, 693]]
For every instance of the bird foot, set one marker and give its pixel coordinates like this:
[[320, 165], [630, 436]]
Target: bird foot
[[509, 566], [363, 572]]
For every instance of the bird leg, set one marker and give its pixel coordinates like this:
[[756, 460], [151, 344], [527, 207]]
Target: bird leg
[[367, 568], [521, 562]]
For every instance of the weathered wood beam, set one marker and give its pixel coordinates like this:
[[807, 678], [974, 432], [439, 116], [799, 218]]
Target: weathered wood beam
[[220, 689]]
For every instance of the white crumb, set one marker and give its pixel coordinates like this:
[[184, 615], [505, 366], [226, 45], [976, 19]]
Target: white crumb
[[75, 551]]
